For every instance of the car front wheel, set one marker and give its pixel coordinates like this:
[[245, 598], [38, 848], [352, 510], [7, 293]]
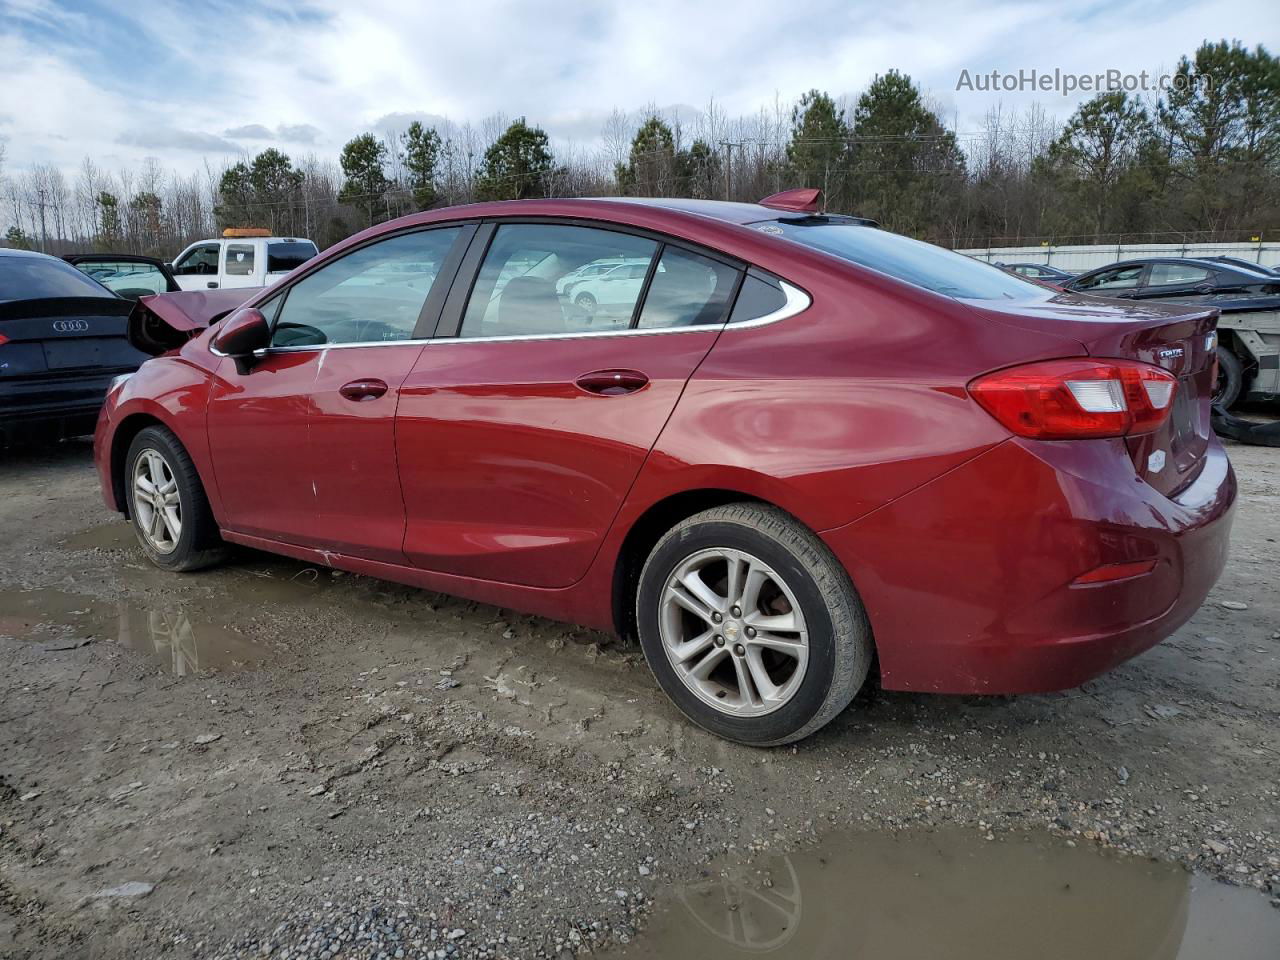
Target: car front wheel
[[751, 625], [167, 504]]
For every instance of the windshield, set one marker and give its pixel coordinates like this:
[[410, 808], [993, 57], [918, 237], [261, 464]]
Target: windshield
[[24, 277], [922, 264]]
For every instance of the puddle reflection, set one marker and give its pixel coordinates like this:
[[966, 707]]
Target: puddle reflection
[[181, 640], [953, 895]]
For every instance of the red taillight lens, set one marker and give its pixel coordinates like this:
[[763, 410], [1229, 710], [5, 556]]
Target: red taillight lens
[[1078, 398], [3, 339]]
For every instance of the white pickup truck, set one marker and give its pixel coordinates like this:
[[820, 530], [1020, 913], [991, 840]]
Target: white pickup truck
[[239, 261]]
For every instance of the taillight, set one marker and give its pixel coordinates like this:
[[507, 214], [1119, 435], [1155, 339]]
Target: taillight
[[1078, 398], [3, 339]]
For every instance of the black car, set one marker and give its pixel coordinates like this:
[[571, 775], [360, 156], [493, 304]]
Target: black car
[[1184, 280], [1248, 338], [130, 275], [62, 342], [1038, 271]]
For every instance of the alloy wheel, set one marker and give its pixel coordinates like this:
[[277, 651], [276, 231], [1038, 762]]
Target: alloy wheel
[[734, 632], [156, 504]]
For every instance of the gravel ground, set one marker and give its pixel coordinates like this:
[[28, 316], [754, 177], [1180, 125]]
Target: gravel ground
[[374, 771]]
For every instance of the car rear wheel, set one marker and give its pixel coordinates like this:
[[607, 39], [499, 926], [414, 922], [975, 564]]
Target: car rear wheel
[[586, 302], [1230, 379], [167, 504], [751, 625]]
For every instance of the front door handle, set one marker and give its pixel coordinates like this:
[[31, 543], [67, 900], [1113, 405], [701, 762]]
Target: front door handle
[[362, 390], [612, 383], [212, 284]]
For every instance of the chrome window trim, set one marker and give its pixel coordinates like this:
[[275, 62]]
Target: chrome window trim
[[344, 346], [797, 302]]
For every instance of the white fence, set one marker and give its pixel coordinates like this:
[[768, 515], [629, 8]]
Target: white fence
[[1079, 258]]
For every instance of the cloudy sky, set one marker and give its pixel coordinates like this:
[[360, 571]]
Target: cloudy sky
[[184, 82]]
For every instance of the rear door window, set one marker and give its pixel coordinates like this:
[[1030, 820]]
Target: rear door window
[[1169, 274], [687, 290], [239, 260], [517, 290]]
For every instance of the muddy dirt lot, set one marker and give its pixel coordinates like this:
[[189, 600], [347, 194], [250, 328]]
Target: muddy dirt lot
[[270, 759]]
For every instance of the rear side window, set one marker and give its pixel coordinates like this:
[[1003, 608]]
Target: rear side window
[[239, 259], [687, 290], [757, 299], [29, 277], [287, 254], [371, 295], [525, 288], [913, 261], [1163, 274]]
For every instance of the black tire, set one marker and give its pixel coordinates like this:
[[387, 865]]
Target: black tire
[[198, 544], [840, 646], [1230, 379]]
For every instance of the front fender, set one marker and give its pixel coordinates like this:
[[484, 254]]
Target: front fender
[[171, 390]]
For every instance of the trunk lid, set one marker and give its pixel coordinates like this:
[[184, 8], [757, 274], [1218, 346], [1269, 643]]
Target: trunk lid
[[166, 321], [66, 334], [1179, 338]]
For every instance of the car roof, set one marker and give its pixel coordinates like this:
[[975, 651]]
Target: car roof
[[728, 211], [16, 252]]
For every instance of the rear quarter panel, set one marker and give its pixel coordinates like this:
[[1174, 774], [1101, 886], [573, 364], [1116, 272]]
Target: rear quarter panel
[[840, 409]]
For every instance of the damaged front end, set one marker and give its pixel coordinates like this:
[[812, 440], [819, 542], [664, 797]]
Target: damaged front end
[[165, 321]]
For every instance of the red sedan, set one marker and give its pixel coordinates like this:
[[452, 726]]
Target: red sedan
[[784, 446]]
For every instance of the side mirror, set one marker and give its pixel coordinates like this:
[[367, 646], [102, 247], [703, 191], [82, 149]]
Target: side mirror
[[241, 335]]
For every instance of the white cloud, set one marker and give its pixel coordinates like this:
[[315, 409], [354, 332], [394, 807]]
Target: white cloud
[[310, 75], [250, 131]]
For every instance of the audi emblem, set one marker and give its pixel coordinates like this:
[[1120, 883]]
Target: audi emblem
[[70, 326]]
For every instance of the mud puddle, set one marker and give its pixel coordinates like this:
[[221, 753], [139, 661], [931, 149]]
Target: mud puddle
[[180, 640], [953, 895], [109, 536]]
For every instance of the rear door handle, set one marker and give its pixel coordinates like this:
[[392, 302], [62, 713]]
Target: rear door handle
[[612, 383], [361, 390], [212, 284]]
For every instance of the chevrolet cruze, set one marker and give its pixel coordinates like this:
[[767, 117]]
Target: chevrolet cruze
[[804, 446]]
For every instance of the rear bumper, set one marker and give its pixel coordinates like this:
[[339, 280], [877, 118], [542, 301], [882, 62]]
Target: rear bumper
[[65, 406], [968, 581]]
